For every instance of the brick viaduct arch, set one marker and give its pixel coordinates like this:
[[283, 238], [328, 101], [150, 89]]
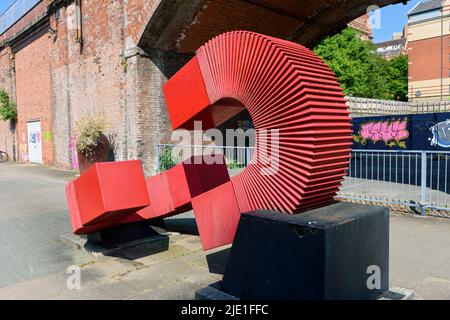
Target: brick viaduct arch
[[183, 26]]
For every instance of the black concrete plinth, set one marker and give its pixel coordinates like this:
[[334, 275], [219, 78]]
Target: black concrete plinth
[[326, 253], [127, 233]]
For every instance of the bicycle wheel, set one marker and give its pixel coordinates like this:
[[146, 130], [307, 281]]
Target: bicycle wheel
[[3, 156]]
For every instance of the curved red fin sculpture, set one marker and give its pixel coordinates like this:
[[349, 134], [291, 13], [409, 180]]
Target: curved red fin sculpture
[[298, 108], [303, 137]]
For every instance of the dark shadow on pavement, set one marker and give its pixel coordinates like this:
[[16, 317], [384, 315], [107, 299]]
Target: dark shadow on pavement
[[182, 225], [157, 245], [131, 241]]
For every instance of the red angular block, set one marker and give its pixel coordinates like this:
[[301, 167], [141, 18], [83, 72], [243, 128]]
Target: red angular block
[[142, 215], [110, 189], [217, 215], [160, 198], [194, 177], [180, 190], [74, 213], [188, 89], [171, 191]]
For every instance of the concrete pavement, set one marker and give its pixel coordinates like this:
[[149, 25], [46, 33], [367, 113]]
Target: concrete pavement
[[34, 262]]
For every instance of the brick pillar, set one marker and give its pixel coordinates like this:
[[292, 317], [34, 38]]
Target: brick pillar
[[146, 121], [8, 142]]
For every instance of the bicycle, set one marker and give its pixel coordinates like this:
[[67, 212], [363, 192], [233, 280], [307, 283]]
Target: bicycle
[[4, 156]]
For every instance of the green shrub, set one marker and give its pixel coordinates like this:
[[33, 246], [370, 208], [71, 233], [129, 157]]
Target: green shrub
[[166, 160], [233, 164], [8, 109], [88, 132]]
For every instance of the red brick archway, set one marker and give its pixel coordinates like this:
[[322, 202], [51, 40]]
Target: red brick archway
[[182, 26]]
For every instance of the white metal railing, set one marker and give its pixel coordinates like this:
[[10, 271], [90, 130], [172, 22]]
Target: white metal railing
[[418, 179], [235, 157], [414, 179], [14, 12]]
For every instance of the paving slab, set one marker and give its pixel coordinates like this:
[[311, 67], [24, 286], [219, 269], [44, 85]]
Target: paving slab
[[34, 261]]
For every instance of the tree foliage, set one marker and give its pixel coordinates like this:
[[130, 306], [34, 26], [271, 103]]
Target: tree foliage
[[361, 71], [8, 109]]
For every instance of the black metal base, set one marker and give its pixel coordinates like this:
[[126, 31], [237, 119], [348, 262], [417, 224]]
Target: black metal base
[[336, 252], [127, 233], [214, 292]]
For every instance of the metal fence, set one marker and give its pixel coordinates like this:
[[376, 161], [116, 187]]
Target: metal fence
[[14, 12], [371, 107], [415, 180], [169, 155]]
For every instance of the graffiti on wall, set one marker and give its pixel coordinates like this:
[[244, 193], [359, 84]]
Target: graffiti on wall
[[73, 153], [441, 134], [48, 136], [393, 133]]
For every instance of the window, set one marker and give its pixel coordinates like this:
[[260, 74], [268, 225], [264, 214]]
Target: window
[[425, 15]]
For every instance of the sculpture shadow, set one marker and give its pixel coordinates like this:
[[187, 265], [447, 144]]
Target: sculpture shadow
[[131, 242], [157, 244], [182, 225]]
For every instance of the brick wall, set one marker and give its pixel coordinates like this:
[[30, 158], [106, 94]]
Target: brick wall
[[362, 24], [421, 67], [33, 94], [88, 77], [7, 82], [104, 75], [148, 122]]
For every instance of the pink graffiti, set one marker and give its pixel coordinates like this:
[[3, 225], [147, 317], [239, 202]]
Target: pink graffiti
[[73, 153], [385, 130]]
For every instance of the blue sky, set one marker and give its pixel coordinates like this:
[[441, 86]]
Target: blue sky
[[393, 18], [4, 4]]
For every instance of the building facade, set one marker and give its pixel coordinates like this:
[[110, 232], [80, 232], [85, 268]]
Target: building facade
[[363, 25], [395, 47], [429, 51]]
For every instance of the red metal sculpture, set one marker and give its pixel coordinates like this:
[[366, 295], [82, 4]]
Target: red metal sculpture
[[302, 126]]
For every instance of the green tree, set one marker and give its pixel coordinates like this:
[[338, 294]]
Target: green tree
[[8, 109], [360, 70], [398, 78]]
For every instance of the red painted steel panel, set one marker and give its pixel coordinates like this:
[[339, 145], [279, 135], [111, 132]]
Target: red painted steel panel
[[185, 94], [160, 198], [179, 188], [171, 191], [205, 174], [110, 189], [217, 215], [74, 213]]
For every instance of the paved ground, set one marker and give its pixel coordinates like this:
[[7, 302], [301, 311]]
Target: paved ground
[[33, 261], [394, 192]]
